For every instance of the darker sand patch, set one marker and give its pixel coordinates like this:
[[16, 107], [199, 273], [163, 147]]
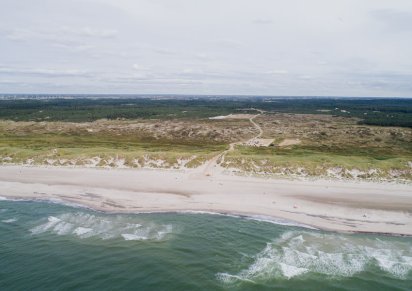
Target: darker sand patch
[[367, 202]]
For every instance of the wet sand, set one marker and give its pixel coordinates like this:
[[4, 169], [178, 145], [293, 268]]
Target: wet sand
[[345, 206]]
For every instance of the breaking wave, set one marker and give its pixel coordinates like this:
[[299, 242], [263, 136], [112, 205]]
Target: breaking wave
[[10, 220], [278, 221], [297, 253], [84, 225]]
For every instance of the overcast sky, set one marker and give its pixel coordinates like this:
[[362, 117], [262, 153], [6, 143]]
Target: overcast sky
[[249, 47]]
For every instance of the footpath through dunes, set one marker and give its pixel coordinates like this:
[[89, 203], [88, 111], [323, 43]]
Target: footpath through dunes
[[346, 206], [213, 165]]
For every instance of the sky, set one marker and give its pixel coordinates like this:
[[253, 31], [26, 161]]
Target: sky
[[234, 47]]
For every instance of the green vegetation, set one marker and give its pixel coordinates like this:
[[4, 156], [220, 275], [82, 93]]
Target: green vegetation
[[81, 110], [371, 111], [79, 149], [361, 138], [311, 161]]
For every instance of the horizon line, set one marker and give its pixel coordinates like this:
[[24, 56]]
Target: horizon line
[[195, 95]]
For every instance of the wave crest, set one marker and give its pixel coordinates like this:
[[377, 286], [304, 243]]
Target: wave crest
[[84, 225], [296, 253]]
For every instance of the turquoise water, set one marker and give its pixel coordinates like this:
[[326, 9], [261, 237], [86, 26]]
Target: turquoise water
[[45, 246]]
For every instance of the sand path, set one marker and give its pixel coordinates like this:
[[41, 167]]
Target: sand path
[[213, 165]]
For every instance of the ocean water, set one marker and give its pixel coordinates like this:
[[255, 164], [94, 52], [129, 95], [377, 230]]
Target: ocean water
[[47, 246]]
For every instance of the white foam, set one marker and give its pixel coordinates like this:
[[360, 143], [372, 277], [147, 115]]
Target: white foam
[[165, 231], [393, 261], [62, 202], [2, 198], [129, 236], [52, 221], [278, 221], [230, 279], [81, 230], [62, 228], [11, 220], [296, 253], [208, 213], [262, 218], [84, 225], [47, 200], [291, 271]]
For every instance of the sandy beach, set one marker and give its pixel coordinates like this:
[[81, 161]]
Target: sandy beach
[[345, 206]]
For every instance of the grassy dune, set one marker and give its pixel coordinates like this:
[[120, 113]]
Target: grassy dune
[[79, 149], [135, 143], [328, 146], [179, 134], [302, 161]]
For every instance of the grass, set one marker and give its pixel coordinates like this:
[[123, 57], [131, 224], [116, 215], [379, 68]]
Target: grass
[[318, 162], [371, 111], [79, 148], [327, 143]]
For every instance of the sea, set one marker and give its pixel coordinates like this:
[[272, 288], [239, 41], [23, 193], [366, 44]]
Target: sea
[[52, 246]]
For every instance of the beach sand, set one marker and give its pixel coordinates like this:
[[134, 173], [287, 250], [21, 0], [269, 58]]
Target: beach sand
[[345, 206]]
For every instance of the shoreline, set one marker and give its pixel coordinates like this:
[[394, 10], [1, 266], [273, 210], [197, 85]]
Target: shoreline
[[254, 217], [340, 206]]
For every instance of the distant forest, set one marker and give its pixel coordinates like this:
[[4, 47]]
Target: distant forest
[[371, 111]]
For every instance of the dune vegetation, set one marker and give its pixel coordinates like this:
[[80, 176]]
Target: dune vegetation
[[184, 134]]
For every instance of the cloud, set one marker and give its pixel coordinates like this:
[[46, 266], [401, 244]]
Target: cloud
[[43, 72], [62, 34], [139, 67], [203, 56], [394, 20], [164, 51], [228, 43], [9, 82], [262, 21], [92, 32], [269, 47], [20, 34], [74, 47], [277, 72]]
